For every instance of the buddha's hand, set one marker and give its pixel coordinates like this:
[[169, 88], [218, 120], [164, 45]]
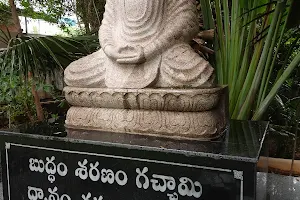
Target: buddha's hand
[[112, 52], [131, 55]]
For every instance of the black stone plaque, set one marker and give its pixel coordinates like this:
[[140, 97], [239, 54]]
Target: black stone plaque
[[48, 168]]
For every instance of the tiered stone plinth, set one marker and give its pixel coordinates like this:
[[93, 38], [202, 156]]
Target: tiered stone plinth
[[191, 114]]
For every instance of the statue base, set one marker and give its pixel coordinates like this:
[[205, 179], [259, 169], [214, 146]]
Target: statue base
[[192, 114]]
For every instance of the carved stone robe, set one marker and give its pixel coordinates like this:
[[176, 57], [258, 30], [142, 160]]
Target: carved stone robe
[[163, 28]]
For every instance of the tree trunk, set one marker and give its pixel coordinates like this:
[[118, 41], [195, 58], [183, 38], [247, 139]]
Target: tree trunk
[[89, 14], [15, 17], [87, 27], [37, 102]]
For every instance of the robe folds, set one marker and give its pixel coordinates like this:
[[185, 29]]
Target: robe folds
[[163, 28]]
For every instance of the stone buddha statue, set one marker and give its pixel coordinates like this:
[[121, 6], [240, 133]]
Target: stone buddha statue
[[144, 44], [146, 79]]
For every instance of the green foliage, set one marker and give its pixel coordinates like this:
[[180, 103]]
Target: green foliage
[[88, 12], [33, 58], [5, 36], [40, 55], [249, 35], [283, 110], [5, 14], [91, 13], [90, 42], [48, 10], [73, 31], [16, 99]]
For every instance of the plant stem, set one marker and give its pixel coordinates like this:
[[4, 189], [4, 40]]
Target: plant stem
[[268, 63], [276, 52], [247, 105], [267, 101]]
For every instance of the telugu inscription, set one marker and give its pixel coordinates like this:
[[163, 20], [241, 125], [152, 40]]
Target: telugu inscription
[[38, 173], [94, 172]]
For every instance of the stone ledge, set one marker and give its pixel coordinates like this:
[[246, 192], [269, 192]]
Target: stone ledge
[[180, 100], [201, 126]]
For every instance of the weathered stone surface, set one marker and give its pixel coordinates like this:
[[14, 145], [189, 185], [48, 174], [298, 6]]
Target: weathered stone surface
[[195, 114], [177, 125], [144, 44], [128, 85], [181, 100]]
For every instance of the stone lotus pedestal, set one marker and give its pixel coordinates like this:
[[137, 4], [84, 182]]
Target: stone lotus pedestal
[[188, 114]]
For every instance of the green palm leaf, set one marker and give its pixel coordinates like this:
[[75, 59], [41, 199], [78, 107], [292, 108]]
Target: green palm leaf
[[40, 55]]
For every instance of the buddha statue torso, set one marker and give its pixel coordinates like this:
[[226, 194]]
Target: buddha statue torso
[[144, 43], [138, 22]]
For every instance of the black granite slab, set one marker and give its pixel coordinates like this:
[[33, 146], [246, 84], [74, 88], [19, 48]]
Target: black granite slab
[[122, 166], [277, 187], [269, 187], [241, 141]]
